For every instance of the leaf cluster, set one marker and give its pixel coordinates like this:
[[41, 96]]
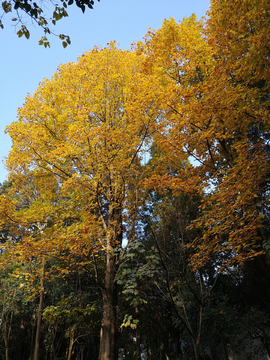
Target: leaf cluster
[[35, 12]]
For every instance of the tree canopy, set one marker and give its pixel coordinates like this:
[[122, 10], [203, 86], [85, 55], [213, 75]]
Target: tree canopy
[[216, 114], [79, 142]]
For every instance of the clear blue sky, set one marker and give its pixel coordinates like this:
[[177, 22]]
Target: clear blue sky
[[24, 63]]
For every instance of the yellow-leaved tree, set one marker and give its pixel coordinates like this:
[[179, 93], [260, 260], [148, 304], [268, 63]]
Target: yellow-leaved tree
[[80, 138], [213, 94]]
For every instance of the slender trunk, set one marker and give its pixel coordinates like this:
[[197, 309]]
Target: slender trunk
[[6, 329], [32, 340], [39, 313], [177, 348], [166, 345], [71, 342], [195, 348], [5, 332], [225, 349], [6, 343], [149, 344], [138, 345]]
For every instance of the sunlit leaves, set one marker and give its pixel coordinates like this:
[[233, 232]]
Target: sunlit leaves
[[77, 146], [210, 102]]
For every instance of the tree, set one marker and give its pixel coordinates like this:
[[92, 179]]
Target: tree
[[209, 115], [80, 138], [244, 53], [35, 11], [244, 44]]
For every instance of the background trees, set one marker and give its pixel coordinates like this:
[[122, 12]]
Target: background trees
[[209, 115]]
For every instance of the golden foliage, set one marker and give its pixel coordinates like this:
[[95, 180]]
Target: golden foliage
[[213, 93]]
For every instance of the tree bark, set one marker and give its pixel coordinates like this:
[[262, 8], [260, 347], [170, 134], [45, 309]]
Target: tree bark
[[39, 313], [71, 342], [112, 224], [108, 326], [6, 327], [6, 340]]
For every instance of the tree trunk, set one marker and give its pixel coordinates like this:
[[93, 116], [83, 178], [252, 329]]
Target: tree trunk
[[225, 349], [196, 349], [113, 227], [71, 342], [138, 345], [6, 342], [107, 349], [6, 328], [39, 313]]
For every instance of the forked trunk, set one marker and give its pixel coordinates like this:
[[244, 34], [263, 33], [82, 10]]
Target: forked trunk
[[71, 343]]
